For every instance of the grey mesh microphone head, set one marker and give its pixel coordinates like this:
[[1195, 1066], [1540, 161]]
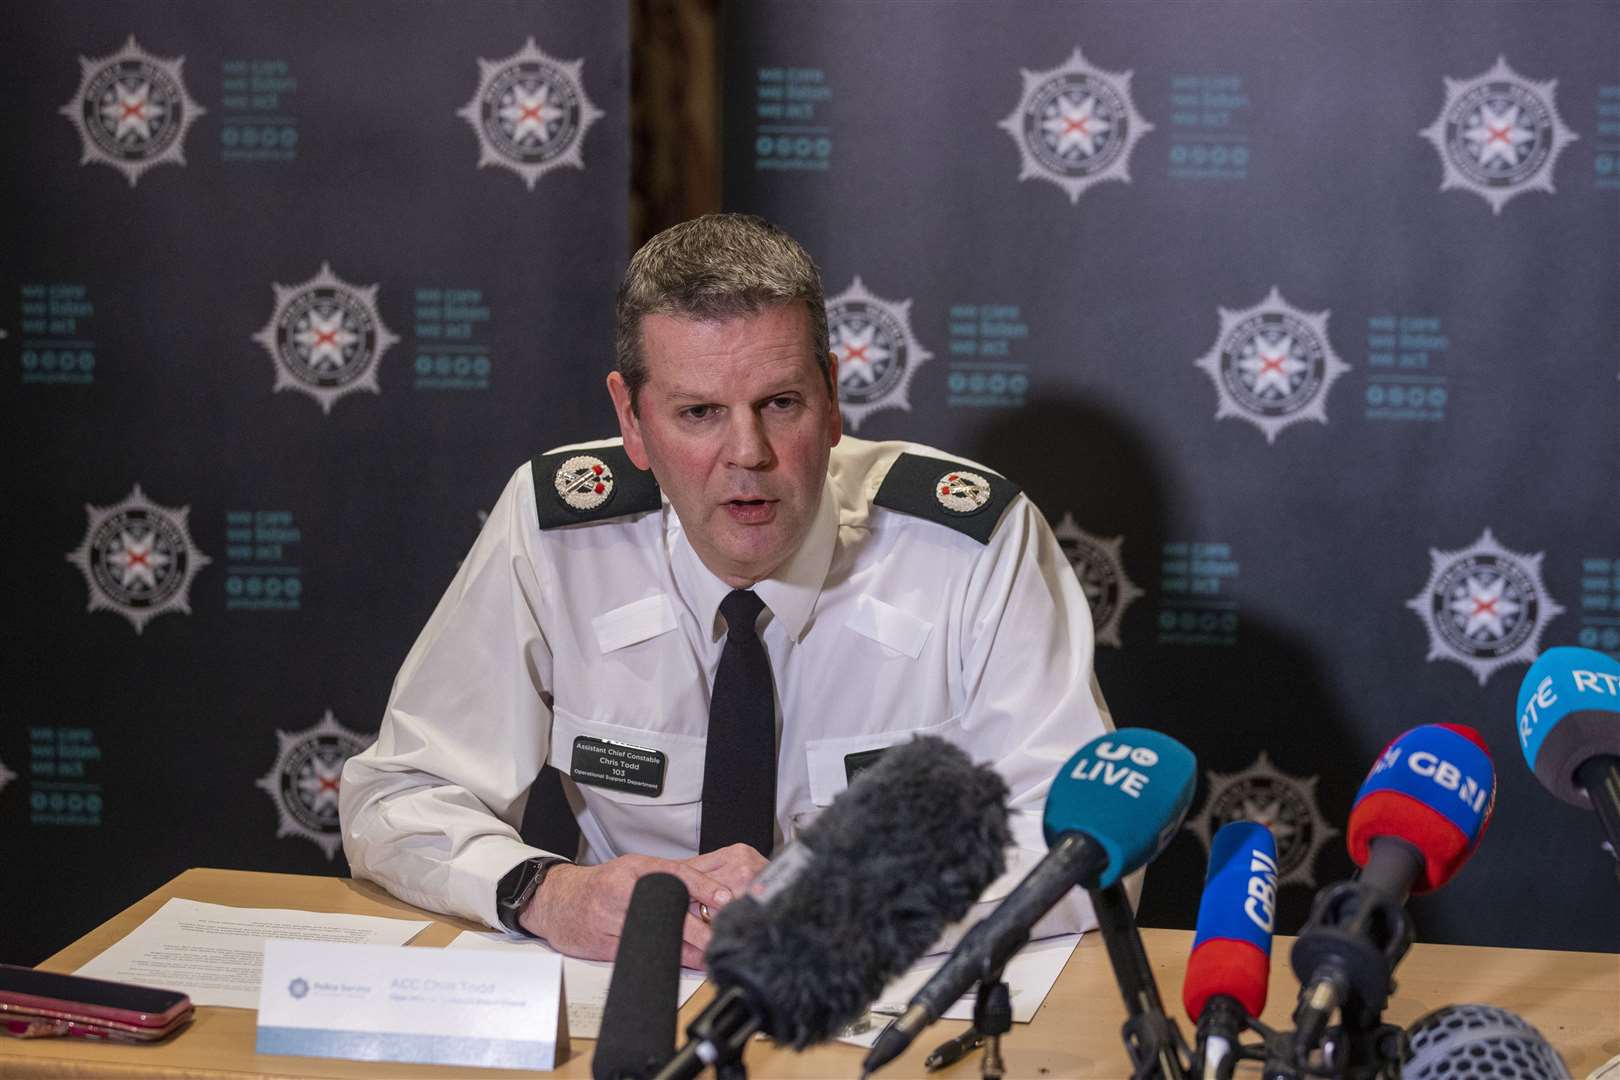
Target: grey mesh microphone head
[[1461, 1042]]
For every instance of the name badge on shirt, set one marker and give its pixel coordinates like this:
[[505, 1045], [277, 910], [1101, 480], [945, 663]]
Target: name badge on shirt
[[634, 770]]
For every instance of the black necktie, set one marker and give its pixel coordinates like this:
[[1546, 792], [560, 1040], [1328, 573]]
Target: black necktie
[[739, 767]]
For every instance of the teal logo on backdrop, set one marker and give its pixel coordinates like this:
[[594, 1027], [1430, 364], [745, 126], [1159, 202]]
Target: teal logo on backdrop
[[1208, 136], [877, 352], [1484, 607], [304, 781], [1098, 565], [63, 766], [257, 121], [530, 113], [1272, 365], [262, 571], [1075, 126], [1197, 605], [1600, 605], [57, 346], [1406, 380], [789, 133], [1287, 805], [132, 111], [326, 338], [448, 354], [1499, 135], [986, 368], [138, 559]]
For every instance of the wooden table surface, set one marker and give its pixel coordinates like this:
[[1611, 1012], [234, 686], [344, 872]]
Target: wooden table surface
[[1572, 998]]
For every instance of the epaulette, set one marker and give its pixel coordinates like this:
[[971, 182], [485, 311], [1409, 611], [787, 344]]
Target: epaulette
[[968, 500], [572, 487]]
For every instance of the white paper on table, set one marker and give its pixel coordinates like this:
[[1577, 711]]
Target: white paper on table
[[1029, 976], [214, 953], [585, 982]]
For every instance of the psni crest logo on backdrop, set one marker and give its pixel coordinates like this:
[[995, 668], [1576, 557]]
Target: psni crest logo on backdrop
[[1499, 135], [1287, 805], [877, 352], [1272, 365], [132, 110], [138, 559], [1075, 126], [1097, 563], [1485, 607], [304, 781], [530, 113], [326, 337]]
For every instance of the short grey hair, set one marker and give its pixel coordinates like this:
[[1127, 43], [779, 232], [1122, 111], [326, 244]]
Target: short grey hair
[[717, 266]]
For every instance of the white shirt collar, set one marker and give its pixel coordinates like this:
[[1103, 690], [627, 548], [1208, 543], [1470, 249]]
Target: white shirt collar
[[790, 593]]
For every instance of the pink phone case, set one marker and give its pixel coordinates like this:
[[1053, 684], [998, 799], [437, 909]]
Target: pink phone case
[[35, 1004]]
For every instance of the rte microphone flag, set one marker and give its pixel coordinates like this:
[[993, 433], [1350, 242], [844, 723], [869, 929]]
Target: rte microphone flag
[[1569, 729]]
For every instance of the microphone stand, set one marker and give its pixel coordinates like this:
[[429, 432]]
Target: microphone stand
[[1151, 1037], [992, 1018], [717, 1037], [1366, 1048], [1599, 777]]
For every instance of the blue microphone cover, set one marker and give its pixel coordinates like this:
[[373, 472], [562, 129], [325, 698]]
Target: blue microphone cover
[[1129, 791], [1434, 787], [1569, 711], [1236, 914]]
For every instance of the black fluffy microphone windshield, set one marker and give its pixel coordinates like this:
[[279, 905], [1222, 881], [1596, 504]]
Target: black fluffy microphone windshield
[[874, 881], [638, 1022]]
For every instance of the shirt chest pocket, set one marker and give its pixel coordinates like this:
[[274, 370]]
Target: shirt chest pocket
[[642, 790], [633, 766]]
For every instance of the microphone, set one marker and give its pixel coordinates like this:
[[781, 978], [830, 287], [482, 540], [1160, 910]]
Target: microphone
[[1230, 963], [906, 850], [638, 1021], [1471, 1042], [1418, 816], [1569, 729], [1112, 807]]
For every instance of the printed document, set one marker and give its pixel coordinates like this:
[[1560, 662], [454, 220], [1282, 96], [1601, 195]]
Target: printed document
[[214, 953]]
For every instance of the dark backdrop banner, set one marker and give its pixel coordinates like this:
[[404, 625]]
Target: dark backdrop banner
[[1301, 323], [289, 290]]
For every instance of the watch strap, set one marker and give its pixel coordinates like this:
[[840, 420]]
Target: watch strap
[[517, 888]]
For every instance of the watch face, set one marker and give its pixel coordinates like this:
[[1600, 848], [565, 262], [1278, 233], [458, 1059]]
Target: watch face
[[516, 889], [520, 881]]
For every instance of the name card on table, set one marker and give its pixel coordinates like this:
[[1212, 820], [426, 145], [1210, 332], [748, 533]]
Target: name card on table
[[428, 1006]]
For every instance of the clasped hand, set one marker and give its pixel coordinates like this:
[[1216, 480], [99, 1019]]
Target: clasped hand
[[579, 910]]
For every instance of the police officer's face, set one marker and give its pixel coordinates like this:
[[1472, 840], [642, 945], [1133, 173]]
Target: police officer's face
[[736, 421]]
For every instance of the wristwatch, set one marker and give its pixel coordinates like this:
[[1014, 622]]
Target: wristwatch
[[518, 887]]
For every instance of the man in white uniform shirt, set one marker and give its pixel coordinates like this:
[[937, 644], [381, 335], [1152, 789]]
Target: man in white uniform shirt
[[895, 592]]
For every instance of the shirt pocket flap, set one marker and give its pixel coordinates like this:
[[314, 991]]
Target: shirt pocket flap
[[682, 757], [826, 758], [634, 622], [890, 627]]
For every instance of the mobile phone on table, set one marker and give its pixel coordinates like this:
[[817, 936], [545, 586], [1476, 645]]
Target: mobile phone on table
[[37, 1003]]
